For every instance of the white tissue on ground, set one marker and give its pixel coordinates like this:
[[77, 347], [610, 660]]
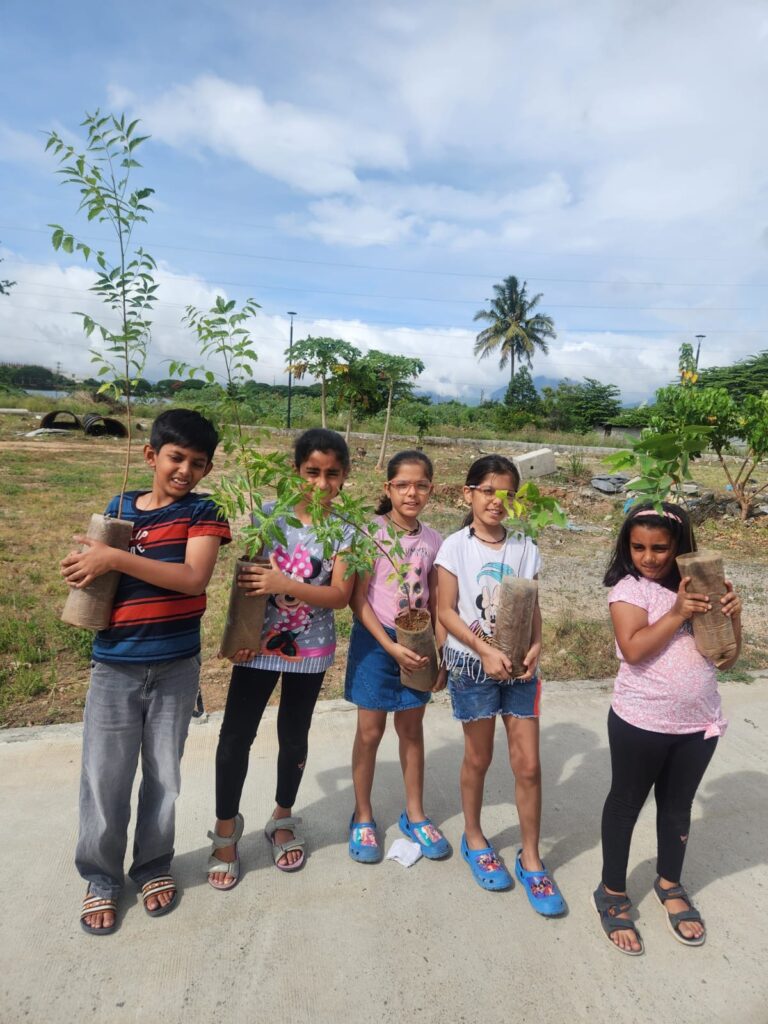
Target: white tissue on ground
[[404, 852]]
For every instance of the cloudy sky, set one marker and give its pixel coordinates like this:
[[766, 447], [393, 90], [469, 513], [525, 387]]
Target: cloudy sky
[[377, 167]]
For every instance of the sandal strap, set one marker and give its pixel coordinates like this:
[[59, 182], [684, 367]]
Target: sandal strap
[[617, 924], [221, 841], [97, 905], [691, 914], [611, 904], [221, 867], [274, 824], [163, 883], [677, 892]]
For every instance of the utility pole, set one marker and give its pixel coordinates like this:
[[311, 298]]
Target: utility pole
[[291, 314], [699, 338]]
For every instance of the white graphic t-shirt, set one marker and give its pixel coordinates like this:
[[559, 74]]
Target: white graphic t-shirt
[[479, 570]]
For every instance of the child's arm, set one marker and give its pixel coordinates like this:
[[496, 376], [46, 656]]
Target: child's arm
[[407, 660], [495, 664], [440, 634], [188, 577], [258, 579], [638, 640]]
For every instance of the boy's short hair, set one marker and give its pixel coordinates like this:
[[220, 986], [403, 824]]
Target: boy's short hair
[[187, 429]]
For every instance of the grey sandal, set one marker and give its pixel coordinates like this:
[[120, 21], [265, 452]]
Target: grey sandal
[[677, 892], [608, 906], [222, 867], [280, 849]]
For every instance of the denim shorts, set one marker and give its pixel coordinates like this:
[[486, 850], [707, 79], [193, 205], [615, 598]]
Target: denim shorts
[[475, 696], [373, 676]]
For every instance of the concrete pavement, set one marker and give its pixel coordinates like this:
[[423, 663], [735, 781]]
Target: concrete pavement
[[343, 942]]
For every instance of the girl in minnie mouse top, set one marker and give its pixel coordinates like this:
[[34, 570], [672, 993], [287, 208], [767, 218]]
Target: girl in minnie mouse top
[[297, 642]]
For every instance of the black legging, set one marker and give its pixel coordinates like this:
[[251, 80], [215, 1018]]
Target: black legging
[[674, 765], [249, 691]]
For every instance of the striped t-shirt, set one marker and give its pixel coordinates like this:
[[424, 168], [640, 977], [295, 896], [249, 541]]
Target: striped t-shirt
[[149, 623]]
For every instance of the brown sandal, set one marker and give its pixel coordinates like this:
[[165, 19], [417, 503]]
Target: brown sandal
[[97, 905], [163, 883]]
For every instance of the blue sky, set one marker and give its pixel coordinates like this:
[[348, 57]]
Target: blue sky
[[378, 167]]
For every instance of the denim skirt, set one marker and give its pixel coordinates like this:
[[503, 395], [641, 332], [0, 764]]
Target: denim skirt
[[373, 677]]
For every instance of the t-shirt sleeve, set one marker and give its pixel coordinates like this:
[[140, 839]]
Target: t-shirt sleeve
[[111, 510], [631, 591], [207, 521], [446, 556]]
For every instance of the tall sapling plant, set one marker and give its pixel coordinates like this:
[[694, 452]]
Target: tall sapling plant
[[125, 284]]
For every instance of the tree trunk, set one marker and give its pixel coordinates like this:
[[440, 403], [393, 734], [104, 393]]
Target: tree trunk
[[511, 366], [380, 463], [323, 422], [349, 422]]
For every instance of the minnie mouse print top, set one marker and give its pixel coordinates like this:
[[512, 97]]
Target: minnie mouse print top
[[298, 637]]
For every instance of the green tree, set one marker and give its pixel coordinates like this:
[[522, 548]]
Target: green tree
[[321, 358], [515, 329], [580, 407], [356, 388], [521, 394], [747, 377], [124, 281], [395, 374]]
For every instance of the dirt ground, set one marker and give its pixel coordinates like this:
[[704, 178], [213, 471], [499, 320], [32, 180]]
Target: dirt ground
[[49, 486]]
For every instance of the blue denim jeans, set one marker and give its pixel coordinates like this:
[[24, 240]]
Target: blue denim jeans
[[132, 710]]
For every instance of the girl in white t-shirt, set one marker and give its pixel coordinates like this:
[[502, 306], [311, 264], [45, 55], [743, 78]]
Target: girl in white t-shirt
[[471, 566], [375, 660]]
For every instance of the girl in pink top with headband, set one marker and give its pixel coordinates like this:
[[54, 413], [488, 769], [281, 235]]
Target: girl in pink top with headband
[[665, 716]]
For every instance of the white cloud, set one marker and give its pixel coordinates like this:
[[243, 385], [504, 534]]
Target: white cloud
[[310, 150], [22, 147]]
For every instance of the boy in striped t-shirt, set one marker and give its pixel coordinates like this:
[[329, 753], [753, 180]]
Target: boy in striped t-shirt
[[146, 668]]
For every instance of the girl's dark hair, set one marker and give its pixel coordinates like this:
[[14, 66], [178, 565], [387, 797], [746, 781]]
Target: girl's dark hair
[[489, 465], [410, 455], [318, 439], [674, 520]]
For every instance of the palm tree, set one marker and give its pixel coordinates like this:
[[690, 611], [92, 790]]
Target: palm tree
[[514, 328]]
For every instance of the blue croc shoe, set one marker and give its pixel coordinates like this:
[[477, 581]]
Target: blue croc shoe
[[487, 870], [363, 841], [433, 843], [541, 890]]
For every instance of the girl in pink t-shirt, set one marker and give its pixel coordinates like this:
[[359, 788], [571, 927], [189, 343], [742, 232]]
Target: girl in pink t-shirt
[[665, 716], [375, 660]]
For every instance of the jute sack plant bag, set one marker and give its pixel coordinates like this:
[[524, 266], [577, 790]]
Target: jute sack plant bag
[[413, 629], [514, 620], [712, 631], [91, 607], [245, 615]]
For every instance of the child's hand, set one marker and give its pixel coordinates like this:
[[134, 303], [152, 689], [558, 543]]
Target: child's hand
[[258, 579], [687, 604], [407, 659], [244, 654], [495, 664], [731, 601], [80, 568], [442, 679], [531, 661]]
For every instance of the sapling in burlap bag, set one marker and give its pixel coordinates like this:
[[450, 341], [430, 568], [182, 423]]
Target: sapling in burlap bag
[[712, 630]]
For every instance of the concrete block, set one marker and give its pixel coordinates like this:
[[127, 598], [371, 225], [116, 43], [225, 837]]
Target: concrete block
[[531, 465]]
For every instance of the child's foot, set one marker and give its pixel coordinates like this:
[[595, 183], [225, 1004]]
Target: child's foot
[[99, 915], [287, 845], [613, 907], [433, 843], [683, 919], [159, 895], [363, 841], [225, 853]]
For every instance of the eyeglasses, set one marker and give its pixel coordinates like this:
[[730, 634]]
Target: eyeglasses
[[401, 486], [490, 492]]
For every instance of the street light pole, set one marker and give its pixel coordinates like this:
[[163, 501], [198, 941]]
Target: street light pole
[[699, 338], [291, 314]]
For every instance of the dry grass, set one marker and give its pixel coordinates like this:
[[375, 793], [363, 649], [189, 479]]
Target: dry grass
[[49, 487]]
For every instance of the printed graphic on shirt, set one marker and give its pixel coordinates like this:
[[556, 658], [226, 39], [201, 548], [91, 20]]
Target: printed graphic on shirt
[[288, 616], [489, 594]]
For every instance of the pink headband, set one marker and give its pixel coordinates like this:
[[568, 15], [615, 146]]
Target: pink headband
[[663, 515]]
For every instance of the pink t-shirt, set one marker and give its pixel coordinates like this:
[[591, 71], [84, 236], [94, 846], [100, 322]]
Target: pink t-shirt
[[383, 594], [675, 691]]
